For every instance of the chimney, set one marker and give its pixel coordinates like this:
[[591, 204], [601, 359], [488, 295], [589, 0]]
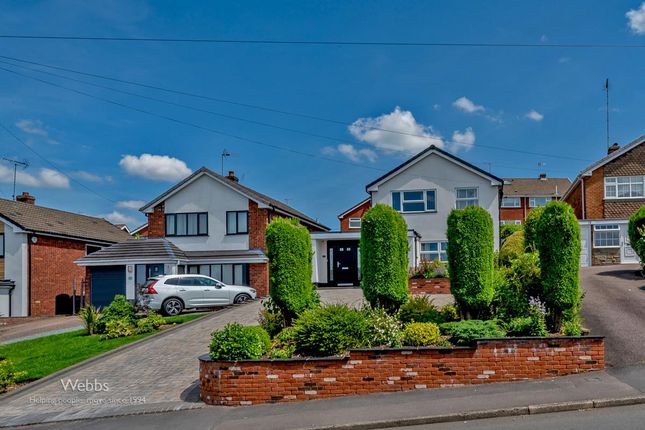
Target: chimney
[[613, 148], [232, 177], [542, 176], [25, 197]]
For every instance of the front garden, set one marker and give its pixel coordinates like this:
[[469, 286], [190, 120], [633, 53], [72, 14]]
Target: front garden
[[514, 315]]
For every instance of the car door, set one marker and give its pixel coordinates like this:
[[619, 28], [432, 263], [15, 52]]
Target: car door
[[215, 293], [190, 290]]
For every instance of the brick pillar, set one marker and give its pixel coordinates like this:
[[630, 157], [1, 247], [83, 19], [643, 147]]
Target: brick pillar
[[258, 220], [595, 194], [157, 221], [259, 278]]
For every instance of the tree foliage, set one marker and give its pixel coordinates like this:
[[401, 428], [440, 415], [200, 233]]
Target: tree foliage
[[636, 231], [530, 228]]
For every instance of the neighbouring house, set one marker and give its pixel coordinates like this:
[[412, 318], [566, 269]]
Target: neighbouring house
[[207, 224], [37, 252], [424, 189], [350, 220], [124, 227], [520, 195], [604, 195], [141, 231]]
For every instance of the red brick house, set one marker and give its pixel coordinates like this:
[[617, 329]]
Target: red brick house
[[520, 195], [38, 248], [350, 220], [141, 231], [604, 195], [206, 224]]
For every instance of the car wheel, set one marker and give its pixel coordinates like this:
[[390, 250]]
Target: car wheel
[[241, 298], [172, 307]]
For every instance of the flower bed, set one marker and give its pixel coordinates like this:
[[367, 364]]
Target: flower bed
[[429, 285], [364, 371]]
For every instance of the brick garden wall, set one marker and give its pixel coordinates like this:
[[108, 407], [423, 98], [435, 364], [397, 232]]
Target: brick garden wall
[[389, 370], [429, 286]]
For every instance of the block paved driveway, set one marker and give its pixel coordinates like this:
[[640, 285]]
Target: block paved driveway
[[162, 370], [614, 306]]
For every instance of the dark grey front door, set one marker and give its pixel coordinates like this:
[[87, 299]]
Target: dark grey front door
[[343, 263]]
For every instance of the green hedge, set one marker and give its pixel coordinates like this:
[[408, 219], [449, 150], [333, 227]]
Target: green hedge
[[558, 243], [511, 248], [290, 255], [508, 229], [636, 232], [530, 228], [237, 342], [384, 258], [470, 259]]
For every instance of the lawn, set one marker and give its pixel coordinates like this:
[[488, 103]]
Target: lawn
[[45, 355]]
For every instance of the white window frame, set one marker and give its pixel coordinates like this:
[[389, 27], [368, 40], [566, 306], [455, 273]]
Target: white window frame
[[613, 182], [547, 200], [606, 228], [349, 223], [515, 199], [438, 252], [402, 201], [510, 221], [462, 199]]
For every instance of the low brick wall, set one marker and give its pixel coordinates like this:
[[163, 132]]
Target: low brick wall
[[366, 371], [429, 286]]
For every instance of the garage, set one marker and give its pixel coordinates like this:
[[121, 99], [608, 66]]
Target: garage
[[106, 282]]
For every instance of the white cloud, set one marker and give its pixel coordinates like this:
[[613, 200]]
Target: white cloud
[[636, 19], [397, 131], [467, 105], [462, 140], [116, 217], [354, 154], [155, 167], [130, 204], [534, 115], [46, 178], [36, 128]]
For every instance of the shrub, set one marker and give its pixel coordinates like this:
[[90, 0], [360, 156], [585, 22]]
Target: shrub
[[421, 334], [511, 248], [150, 323], [537, 314], [237, 342], [118, 328], [90, 316], [385, 329], [636, 232], [572, 327], [271, 318], [330, 330], [448, 313], [429, 269], [290, 254], [530, 228], [508, 229], [464, 332], [419, 309], [515, 285], [8, 375], [519, 326], [470, 259], [384, 258], [284, 345], [119, 309], [558, 240]]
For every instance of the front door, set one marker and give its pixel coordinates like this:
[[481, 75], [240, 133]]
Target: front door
[[343, 263]]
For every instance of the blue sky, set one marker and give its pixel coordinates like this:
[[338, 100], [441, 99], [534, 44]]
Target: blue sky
[[466, 99]]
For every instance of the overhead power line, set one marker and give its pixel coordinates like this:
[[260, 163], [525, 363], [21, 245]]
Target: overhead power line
[[261, 123], [355, 43]]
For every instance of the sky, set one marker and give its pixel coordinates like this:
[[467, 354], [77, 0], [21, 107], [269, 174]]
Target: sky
[[310, 125]]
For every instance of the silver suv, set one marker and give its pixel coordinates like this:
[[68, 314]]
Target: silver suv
[[171, 294]]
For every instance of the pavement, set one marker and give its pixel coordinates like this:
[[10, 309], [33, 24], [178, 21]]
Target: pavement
[[614, 306], [38, 327]]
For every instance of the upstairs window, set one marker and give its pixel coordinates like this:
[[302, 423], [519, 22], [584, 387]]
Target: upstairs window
[[536, 202], [237, 222], [606, 236], [187, 224], [511, 202], [623, 187], [467, 197], [354, 223], [414, 201], [1, 244]]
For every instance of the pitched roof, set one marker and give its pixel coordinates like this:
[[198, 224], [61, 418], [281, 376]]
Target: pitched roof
[[252, 194], [429, 150], [529, 187], [157, 250], [356, 206], [39, 219]]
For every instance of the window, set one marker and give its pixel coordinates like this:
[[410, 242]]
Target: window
[[606, 236], [187, 224], [624, 187], [354, 223], [232, 274], [414, 201], [535, 202], [511, 202], [237, 222], [1, 244], [467, 197], [510, 221], [431, 251]]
